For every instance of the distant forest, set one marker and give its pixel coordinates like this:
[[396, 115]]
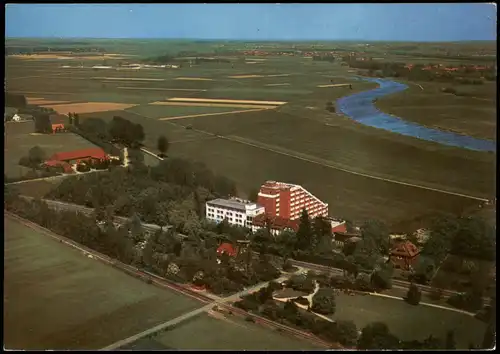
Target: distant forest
[[43, 49]]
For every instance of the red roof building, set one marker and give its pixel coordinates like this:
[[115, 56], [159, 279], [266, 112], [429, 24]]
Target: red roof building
[[288, 200], [57, 127], [86, 154], [277, 224], [227, 248], [54, 163], [404, 255], [341, 228]]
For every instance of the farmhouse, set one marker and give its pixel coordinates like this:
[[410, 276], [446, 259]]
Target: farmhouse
[[77, 156], [404, 255], [21, 117], [54, 163], [236, 211]]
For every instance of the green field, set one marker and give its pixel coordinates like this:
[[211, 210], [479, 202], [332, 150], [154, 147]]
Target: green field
[[350, 196], [57, 298], [163, 111], [232, 333], [152, 127], [18, 142], [302, 130], [409, 322], [39, 188], [474, 114]]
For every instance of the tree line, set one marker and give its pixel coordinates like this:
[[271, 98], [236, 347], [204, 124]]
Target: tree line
[[193, 260], [119, 130], [466, 75]]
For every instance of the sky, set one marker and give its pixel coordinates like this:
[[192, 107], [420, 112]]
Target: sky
[[369, 22]]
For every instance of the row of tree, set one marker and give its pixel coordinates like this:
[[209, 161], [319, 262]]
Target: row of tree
[[192, 260], [417, 72], [15, 100], [118, 130]]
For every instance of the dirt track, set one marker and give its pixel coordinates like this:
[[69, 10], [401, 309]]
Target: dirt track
[[215, 114], [185, 99], [192, 104]]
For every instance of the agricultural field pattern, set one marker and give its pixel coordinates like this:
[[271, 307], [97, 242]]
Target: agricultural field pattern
[[116, 151]]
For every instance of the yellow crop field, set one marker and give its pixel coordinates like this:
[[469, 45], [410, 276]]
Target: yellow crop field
[[126, 79], [88, 107], [244, 76], [43, 102], [193, 78], [159, 89], [255, 76], [333, 85], [283, 84], [188, 99], [201, 104]]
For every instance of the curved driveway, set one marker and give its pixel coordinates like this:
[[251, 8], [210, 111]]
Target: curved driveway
[[360, 107]]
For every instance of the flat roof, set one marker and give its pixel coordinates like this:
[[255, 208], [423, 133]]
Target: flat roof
[[232, 204]]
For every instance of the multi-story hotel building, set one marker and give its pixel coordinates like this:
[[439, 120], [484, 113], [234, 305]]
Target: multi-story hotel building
[[237, 211], [287, 201]]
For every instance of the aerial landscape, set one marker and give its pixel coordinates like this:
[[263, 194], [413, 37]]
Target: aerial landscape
[[250, 177]]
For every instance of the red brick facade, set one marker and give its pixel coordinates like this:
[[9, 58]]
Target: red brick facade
[[288, 200]]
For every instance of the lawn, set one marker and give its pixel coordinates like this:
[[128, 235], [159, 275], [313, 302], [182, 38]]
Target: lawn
[[39, 188], [407, 321], [19, 139], [152, 127], [231, 333], [57, 298]]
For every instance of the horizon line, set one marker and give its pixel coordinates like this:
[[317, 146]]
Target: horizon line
[[254, 39]]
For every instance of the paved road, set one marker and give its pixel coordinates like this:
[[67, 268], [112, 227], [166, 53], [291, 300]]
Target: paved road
[[189, 315]]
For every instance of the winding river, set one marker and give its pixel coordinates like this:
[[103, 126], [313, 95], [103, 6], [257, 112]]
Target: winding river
[[360, 107]]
